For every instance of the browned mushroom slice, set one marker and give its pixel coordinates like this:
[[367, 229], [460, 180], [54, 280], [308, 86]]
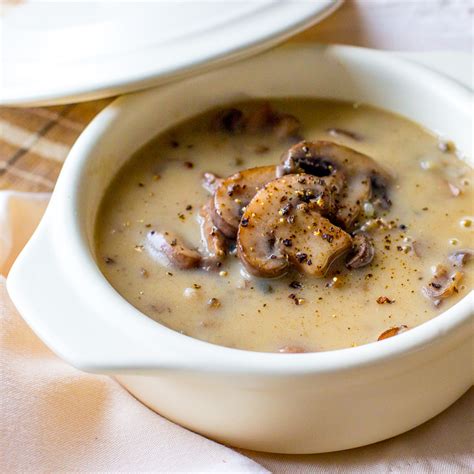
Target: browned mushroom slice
[[210, 182], [380, 183], [287, 126], [442, 285], [392, 332], [359, 177], [362, 253], [214, 241], [168, 245], [229, 120], [234, 194], [264, 118], [283, 226], [260, 119], [461, 257]]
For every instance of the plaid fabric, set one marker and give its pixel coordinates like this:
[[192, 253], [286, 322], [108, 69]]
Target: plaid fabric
[[34, 142]]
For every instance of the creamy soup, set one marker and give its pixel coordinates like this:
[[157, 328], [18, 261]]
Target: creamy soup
[[364, 231]]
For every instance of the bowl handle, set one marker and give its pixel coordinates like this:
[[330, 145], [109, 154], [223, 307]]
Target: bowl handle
[[70, 324]]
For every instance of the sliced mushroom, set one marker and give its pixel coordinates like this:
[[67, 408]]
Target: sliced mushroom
[[265, 119], [168, 245], [392, 332], [283, 225], [214, 241], [359, 177], [229, 120], [287, 126], [461, 257], [260, 119], [210, 182], [362, 253], [234, 194], [380, 196], [443, 284]]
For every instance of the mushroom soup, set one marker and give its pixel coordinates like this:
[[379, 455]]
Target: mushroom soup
[[303, 225]]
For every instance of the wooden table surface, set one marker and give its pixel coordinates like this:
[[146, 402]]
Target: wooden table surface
[[34, 142]]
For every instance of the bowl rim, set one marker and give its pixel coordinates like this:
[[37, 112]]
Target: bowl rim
[[190, 352]]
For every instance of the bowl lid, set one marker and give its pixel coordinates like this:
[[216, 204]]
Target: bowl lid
[[59, 52]]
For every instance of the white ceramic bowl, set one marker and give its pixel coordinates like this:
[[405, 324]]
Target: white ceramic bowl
[[300, 403]]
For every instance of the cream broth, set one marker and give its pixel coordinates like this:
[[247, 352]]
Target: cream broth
[[160, 189]]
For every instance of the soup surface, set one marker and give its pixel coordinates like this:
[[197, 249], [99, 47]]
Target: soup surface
[[409, 263]]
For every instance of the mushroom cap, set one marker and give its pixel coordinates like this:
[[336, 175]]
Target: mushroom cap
[[284, 224], [230, 120], [460, 257], [363, 251], [443, 284], [169, 245], [214, 241], [323, 158], [357, 175], [234, 193], [261, 118]]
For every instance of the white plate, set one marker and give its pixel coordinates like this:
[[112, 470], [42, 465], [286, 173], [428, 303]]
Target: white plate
[[64, 51]]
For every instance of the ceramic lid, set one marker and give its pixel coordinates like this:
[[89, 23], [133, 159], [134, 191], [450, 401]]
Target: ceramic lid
[[58, 52]]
